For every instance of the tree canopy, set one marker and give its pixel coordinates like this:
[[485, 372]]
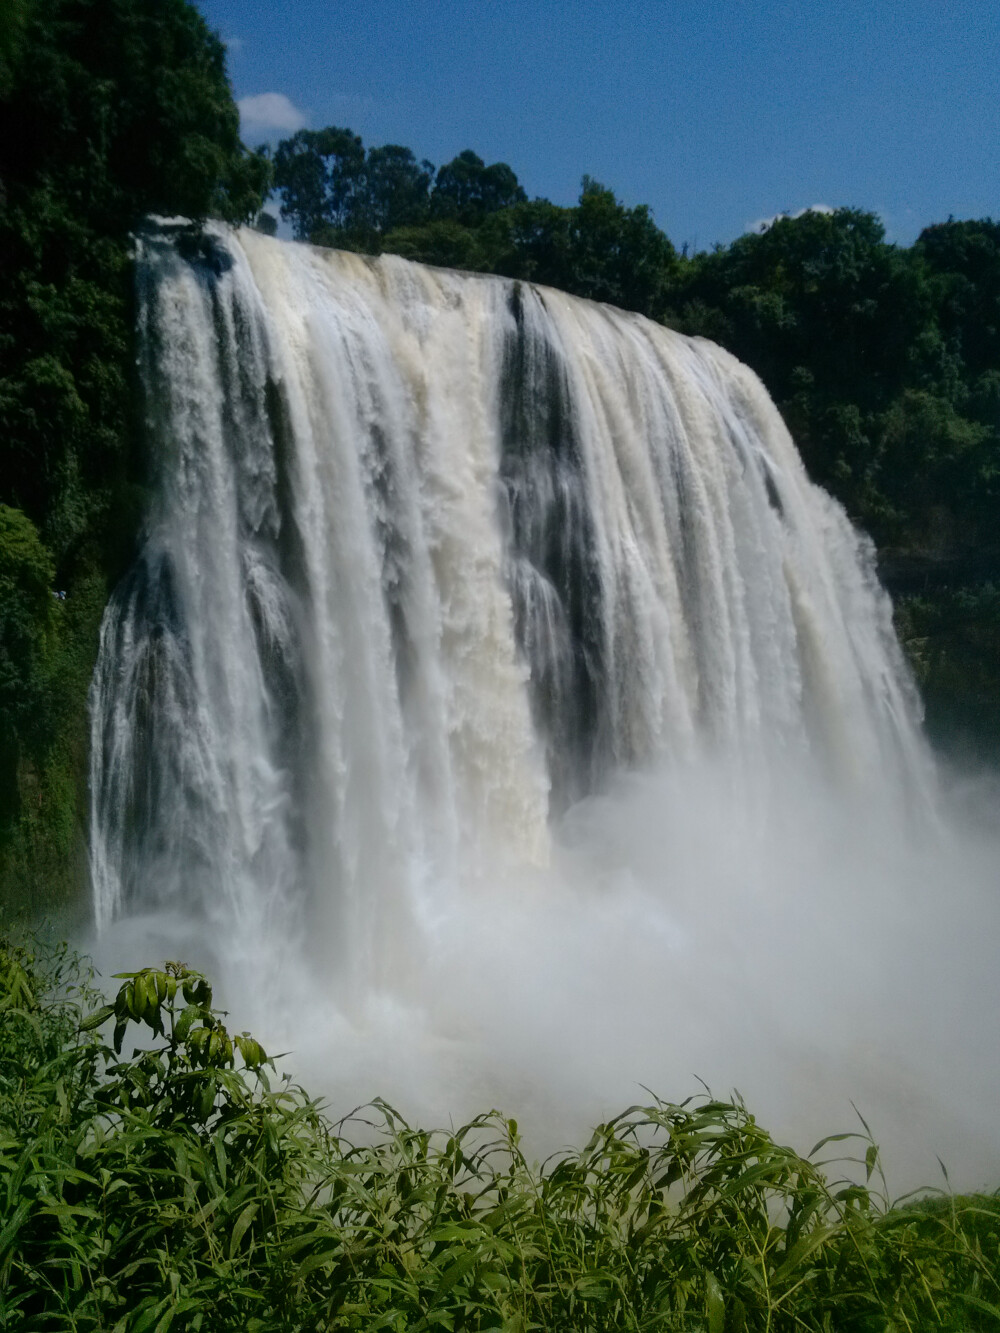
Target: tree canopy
[[334, 192]]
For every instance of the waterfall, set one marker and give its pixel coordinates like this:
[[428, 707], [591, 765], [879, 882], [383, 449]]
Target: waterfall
[[430, 557], [502, 717]]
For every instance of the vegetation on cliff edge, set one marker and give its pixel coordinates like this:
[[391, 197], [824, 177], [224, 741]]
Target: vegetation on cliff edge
[[109, 110]]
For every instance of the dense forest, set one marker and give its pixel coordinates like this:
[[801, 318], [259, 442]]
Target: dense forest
[[884, 360]]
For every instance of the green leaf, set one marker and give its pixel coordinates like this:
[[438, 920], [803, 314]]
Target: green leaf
[[802, 1249], [205, 1101], [98, 1017], [317, 1259], [239, 1230], [182, 1025], [985, 1307], [871, 1157], [9, 1234], [715, 1305], [457, 1271], [593, 1288]]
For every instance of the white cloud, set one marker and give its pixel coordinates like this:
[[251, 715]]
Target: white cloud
[[267, 113], [762, 224]]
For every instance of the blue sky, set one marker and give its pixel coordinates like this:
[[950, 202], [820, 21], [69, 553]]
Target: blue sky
[[717, 113]]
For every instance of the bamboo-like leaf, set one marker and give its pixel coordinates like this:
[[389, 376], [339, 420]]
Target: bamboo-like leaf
[[803, 1249], [715, 1305], [13, 1225], [240, 1227], [98, 1017], [871, 1158]]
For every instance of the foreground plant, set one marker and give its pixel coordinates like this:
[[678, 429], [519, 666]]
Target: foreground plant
[[176, 1188]]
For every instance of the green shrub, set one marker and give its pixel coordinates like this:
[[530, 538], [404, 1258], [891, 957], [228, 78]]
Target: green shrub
[[26, 629], [175, 1187], [952, 637]]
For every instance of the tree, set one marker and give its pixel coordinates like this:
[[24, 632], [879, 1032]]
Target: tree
[[397, 188], [115, 109], [440, 241], [125, 107], [334, 193], [533, 241], [599, 249], [320, 176], [823, 291], [619, 253], [467, 190], [963, 262]]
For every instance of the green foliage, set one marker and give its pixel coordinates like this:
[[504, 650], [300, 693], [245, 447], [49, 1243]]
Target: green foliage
[[962, 261], [176, 1188], [599, 249], [930, 452], [474, 217], [467, 190], [952, 637], [335, 193], [823, 291], [42, 824], [125, 108], [445, 243], [879, 358], [397, 185], [319, 175], [109, 109], [26, 627]]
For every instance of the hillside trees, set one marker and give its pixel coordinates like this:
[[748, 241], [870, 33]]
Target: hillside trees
[[830, 316], [863, 346], [467, 190], [335, 193], [600, 249], [109, 110], [962, 263], [26, 626]]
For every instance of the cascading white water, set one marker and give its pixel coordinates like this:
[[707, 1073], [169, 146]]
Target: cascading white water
[[430, 558]]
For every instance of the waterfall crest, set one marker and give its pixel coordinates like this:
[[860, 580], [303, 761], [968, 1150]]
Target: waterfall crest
[[430, 557]]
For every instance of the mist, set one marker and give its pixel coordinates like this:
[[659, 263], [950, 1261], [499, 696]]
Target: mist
[[822, 956]]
